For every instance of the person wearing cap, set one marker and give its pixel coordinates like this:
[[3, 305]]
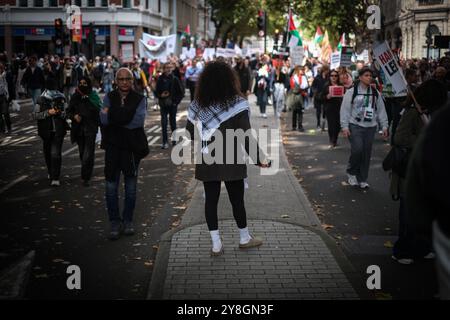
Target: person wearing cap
[[361, 110]]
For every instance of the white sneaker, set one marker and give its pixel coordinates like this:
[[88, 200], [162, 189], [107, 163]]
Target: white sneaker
[[55, 183], [264, 115], [430, 255], [364, 185], [405, 261], [352, 180]]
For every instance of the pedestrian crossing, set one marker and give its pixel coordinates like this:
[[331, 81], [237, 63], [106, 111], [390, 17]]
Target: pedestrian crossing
[[21, 136]]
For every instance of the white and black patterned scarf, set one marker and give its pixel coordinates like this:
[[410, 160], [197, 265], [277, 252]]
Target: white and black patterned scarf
[[207, 120]]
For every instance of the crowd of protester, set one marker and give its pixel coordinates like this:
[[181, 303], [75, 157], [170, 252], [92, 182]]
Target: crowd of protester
[[364, 104]]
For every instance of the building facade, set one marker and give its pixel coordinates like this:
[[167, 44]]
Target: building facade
[[406, 23], [27, 26]]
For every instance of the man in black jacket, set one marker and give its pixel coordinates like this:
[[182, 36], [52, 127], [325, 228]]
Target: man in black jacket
[[33, 80], [169, 91], [125, 143]]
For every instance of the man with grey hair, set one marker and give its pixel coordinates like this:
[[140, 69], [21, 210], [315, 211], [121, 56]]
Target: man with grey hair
[[125, 143]]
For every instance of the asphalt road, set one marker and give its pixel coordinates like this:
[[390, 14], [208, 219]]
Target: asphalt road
[[68, 225], [363, 222]]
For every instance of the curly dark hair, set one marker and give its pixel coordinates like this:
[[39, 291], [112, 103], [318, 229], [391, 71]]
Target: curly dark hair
[[431, 95], [218, 83]]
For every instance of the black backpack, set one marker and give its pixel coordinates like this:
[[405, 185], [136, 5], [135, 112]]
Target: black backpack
[[374, 94]]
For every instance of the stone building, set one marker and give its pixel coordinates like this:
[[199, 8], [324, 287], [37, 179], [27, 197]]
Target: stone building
[[406, 23]]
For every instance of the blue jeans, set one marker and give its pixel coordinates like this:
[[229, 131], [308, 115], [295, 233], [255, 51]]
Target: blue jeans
[[35, 94], [112, 198], [107, 87]]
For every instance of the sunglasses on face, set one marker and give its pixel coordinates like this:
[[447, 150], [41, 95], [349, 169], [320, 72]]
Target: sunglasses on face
[[334, 76]]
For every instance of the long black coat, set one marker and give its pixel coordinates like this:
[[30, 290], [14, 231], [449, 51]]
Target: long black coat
[[90, 119]]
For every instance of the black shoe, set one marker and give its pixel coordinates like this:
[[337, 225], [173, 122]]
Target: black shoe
[[129, 229], [86, 183], [294, 129], [301, 130], [116, 229], [174, 143]]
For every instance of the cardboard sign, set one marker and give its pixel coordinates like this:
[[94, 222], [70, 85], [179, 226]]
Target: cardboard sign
[[226, 53], [336, 91], [335, 60], [346, 57], [387, 60], [297, 55], [127, 50]]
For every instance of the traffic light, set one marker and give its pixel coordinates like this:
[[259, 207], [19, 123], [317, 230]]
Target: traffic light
[[59, 35], [261, 23], [91, 34]]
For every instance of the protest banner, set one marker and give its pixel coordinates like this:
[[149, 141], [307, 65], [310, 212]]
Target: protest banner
[[155, 47], [209, 53], [387, 60]]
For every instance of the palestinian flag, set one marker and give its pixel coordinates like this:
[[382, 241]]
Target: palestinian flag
[[341, 42], [295, 38], [318, 38], [186, 36], [186, 33]]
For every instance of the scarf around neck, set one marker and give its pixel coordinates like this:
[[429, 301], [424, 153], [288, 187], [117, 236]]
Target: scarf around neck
[[207, 120]]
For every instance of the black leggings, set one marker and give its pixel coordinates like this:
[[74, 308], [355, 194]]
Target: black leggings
[[235, 193]]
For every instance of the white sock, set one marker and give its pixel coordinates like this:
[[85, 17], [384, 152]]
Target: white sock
[[244, 235], [217, 243]]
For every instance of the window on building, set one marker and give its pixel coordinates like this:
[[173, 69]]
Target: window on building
[[78, 3], [429, 2], [126, 3], [23, 3], [159, 5], [53, 3], [104, 3], [91, 3], [38, 3]]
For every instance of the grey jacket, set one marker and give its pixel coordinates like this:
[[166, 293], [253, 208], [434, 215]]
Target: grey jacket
[[355, 112]]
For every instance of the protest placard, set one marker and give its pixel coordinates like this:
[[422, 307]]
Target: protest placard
[[336, 91], [335, 60], [346, 57], [387, 60], [297, 55]]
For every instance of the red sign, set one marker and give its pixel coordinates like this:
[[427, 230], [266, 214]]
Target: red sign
[[336, 91]]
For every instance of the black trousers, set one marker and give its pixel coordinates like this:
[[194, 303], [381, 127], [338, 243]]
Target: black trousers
[[334, 125], [172, 113], [86, 149], [5, 119], [52, 153], [235, 193], [320, 112], [191, 85], [297, 118]]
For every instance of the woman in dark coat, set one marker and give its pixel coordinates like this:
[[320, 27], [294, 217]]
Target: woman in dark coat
[[332, 105], [219, 106], [84, 110]]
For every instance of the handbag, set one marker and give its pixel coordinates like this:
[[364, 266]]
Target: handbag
[[165, 102], [397, 160]]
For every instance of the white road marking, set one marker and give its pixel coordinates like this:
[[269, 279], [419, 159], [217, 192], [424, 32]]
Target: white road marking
[[152, 129], [69, 151], [154, 140], [12, 183], [23, 140]]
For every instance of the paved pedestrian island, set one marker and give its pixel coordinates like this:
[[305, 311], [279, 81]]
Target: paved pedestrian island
[[297, 260]]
